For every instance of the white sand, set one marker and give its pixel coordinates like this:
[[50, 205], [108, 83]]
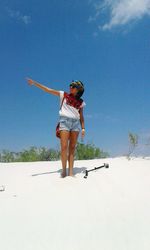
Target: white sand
[[110, 210]]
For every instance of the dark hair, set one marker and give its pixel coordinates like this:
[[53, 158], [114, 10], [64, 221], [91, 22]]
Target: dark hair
[[80, 88], [79, 94]]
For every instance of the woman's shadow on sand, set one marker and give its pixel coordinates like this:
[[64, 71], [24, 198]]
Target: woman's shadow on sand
[[76, 170]]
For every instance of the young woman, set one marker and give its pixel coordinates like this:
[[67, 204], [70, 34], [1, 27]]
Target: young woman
[[71, 117]]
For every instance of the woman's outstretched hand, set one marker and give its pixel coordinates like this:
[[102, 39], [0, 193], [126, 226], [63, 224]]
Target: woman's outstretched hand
[[30, 81]]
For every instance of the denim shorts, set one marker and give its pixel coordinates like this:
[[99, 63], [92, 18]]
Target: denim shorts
[[69, 124]]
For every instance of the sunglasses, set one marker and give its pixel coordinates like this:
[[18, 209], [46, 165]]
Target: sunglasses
[[74, 85]]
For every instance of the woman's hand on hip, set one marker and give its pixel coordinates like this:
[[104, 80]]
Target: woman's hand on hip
[[82, 132]]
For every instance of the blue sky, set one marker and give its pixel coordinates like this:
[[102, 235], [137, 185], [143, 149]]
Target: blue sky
[[105, 44]]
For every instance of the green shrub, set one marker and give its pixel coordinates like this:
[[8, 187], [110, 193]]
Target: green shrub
[[133, 143], [89, 151], [83, 152]]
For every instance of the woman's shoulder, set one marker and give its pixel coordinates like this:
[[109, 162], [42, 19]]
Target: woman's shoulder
[[63, 93], [82, 103]]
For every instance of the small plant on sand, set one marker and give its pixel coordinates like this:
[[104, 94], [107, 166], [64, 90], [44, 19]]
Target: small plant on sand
[[133, 142]]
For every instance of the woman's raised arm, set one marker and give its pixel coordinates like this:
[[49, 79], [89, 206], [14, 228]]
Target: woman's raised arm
[[48, 90]]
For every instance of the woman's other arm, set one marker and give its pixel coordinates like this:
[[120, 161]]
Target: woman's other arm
[[82, 122]]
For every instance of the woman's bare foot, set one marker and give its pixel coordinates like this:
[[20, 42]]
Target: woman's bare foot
[[63, 174], [72, 176], [70, 172]]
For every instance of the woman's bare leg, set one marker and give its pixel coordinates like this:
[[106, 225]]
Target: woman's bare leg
[[72, 146], [64, 137]]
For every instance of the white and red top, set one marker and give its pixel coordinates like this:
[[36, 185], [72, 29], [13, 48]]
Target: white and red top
[[71, 106]]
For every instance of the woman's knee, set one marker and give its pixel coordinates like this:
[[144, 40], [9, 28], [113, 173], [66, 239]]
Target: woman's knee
[[64, 147], [72, 148]]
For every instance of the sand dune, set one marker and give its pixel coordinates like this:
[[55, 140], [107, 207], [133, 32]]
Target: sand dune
[[109, 210]]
